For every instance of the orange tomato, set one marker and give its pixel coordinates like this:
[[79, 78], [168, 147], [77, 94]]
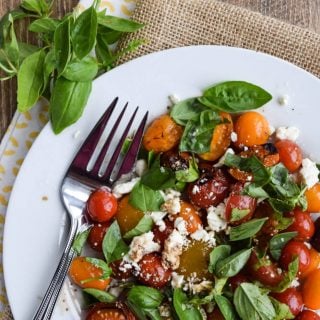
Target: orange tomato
[[290, 154], [189, 214], [127, 216], [313, 198], [220, 139], [311, 290], [314, 262], [81, 270], [252, 128], [162, 135]]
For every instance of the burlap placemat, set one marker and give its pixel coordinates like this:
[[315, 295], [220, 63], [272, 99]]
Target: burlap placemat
[[176, 23]]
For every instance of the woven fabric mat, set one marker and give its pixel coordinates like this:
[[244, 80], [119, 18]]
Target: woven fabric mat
[[176, 23]]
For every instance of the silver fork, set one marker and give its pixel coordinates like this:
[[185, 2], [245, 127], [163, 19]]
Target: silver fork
[[79, 182]]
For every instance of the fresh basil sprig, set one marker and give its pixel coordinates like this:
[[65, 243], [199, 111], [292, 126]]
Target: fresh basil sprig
[[246, 230], [278, 241]]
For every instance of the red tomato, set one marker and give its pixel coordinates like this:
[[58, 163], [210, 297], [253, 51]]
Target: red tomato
[[290, 154], [152, 273], [235, 281], [161, 236], [96, 235], [292, 298], [307, 315], [315, 241], [102, 205], [110, 311], [118, 271], [303, 224], [311, 290], [295, 249], [240, 202]]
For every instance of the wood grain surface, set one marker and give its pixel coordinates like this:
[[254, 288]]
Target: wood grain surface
[[303, 13]]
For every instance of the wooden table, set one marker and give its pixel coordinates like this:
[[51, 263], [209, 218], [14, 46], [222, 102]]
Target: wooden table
[[303, 13]]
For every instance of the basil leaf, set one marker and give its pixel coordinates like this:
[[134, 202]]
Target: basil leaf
[[186, 110], [101, 295], [25, 50], [103, 52], [198, 133], [226, 308], [145, 297], [38, 6], [251, 303], [80, 241], [107, 271], [218, 253], [44, 25], [49, 66], [109, 35], [145, 198], [143, 226], [282, 310], [30, 80], [255, 191], [235, 96], [11, 46], [67, 103], [62, 45], [238, 214], [81, 70], [278, 241], [119, 24], [113, 247], [189, 175], [84, 32], [289, 276], [183, 308], [247, 229], [230, 266]]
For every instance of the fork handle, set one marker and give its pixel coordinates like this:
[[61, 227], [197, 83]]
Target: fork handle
[[48, 302]]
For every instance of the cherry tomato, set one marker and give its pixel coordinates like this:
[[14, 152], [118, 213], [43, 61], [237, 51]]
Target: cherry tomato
[[161, 236], [235, 281], [118, 270], [240, 202], [311, 290], [292, 298], [313, 198], [102, 205], [303, 224], [175, 160], [96, 235], [127, 216], [269, 228], [290, 154], [314, 262], [152, 273], [307, 315], [251, 128], [215, 315], [315, 240], [220, 140], [82, 270], [110, 311], [191, 217], [295, 249]]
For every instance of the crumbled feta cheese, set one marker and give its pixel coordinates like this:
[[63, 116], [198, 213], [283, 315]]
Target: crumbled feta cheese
[[176, 280], [283, 100], [295, 283], [195, 189], [157, 217], [165, 310], [181, 226], [221, 160], [290, 133], [271, 130], [234, 137], [172, 201], [203, 235], [174, 99], [142, 245], [216, 217], [202, 286], [124, 187], [141, 167], [309, 172], [172, 250]]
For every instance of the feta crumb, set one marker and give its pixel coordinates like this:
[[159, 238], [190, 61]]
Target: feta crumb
[[174, 99], [176, 280], [165, 310], [195, 189], [181, 226], [172, 250], [216, 217], [172, 202], [309, 172], [202, 286], [295, 283], [124, 187], [272, 129], [141, 167], [142, 245], [290, 133], [283, 100], [203, 235], [157, 217], [223, 158], [234, 137]]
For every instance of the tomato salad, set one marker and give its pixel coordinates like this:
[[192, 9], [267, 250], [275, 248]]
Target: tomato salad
[[214, 223]]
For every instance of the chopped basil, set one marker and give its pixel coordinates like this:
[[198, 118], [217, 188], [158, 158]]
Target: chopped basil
[[189, 175], [238, 214], [226, 308], [247, 229], [101, 295], [218, 253], [184, 309], [282, 310], [278, 241], [143, 226], [80, 241]]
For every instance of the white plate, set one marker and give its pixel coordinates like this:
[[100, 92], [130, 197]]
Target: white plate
[[34, 230]]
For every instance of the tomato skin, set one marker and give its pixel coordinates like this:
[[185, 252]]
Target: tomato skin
[[295, 249], [292, 298], [96, 235], [107, 314], [191, 217], [313, 198], [307, 315], [110, 311], [102, 205], [290, 154], [311, 290], [314, 262], [152, 273], [118, 272], [235, 281], [302, 224], [161, 236], [81, 269], [315, 240]]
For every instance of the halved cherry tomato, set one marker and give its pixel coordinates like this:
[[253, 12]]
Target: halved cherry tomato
[[307, 315], [315, 240], [292, 298], [191, 217], [118, 270], [152, 272], [313, 198], [295, 249], [235, 281], [290, 154], [314, 262], [96, 235], [81, 270], [311, 290], [102, 205], [252, 128], [303, 224], [110, 311], [161, 236]]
